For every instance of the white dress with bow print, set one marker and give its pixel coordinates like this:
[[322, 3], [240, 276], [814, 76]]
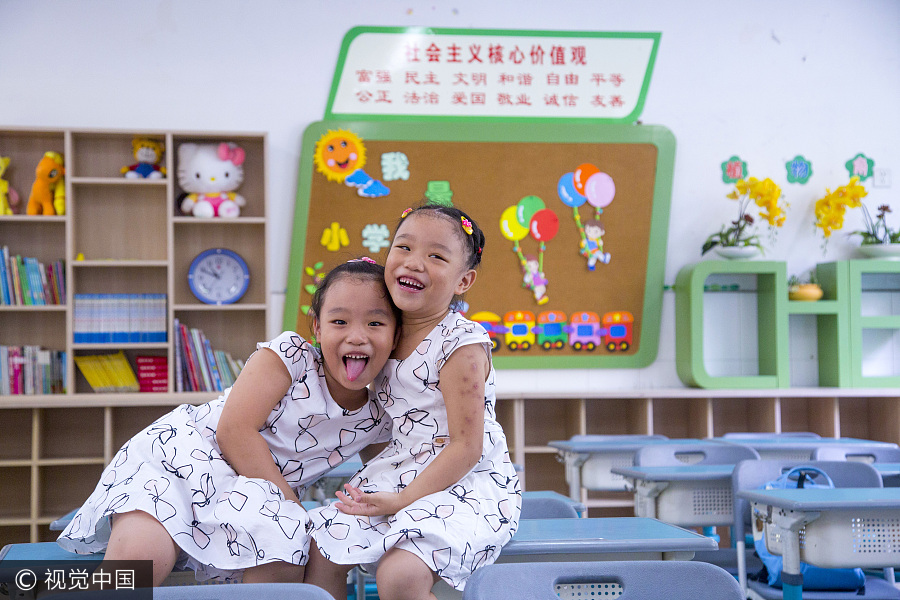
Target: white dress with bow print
[[453, 531], [224, 522]]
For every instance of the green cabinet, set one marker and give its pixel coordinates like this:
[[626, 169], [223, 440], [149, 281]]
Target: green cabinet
[[845, 321]]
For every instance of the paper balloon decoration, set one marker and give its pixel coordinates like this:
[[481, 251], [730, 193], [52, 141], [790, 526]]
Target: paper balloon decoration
[[600, 189], [509, 226], [526, 208], [567, 192], [582, 174], [544, 225]]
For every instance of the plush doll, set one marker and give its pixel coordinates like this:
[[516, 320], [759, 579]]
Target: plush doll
[[8, 196], [211, 173], [48, 188], [148, 153]]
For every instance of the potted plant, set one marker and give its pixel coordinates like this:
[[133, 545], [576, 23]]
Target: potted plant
[[739, 239], [805, 289], [877, 238]]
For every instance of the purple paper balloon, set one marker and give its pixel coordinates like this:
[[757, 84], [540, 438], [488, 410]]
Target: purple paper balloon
[[600, 189]]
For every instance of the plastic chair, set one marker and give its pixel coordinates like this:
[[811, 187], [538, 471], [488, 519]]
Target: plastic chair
[[865, 454], [241, 591], [547, 508], [227, 591], [749, 435], [667, 455], [752, 474], [858, 453], [631, 580]]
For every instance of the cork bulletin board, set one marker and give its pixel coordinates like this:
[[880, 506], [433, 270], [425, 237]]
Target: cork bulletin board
[[575, 217]]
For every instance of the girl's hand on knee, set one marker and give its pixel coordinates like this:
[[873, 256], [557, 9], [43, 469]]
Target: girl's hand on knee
[[356, 502]]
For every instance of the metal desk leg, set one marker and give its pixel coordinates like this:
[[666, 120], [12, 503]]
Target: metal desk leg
[[790, 524], [645, 494], [360, 584], [573, 463], [741, 546]]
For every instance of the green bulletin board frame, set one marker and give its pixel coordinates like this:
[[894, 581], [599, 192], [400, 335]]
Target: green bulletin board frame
[[497, 131]]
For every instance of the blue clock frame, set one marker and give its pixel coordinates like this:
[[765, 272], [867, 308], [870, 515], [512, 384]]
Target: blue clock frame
[[198, 260]]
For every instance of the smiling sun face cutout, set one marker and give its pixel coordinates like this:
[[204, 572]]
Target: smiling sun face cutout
[[338, 154]]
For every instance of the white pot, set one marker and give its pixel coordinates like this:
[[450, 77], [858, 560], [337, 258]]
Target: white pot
[[737, 252], [885, 251]]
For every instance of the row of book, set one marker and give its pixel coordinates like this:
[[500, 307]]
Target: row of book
[[119, 318], [31, 370], [26, 281], [198, 367], [107, 372], [152, 373]]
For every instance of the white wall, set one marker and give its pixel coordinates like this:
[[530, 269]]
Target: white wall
[[764, 79]]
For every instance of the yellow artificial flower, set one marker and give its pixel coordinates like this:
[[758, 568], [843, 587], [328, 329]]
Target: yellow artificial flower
[[830, 209], [741, 232]]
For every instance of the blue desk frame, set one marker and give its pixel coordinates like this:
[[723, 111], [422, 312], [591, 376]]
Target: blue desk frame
[[601, 454], [798, 448], [687, 496], [826, 515]]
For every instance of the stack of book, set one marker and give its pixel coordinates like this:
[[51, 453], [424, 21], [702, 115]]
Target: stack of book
[[199, 368], [152, 373], [31, 370], [108, 372], [119, 318], [25, 281]]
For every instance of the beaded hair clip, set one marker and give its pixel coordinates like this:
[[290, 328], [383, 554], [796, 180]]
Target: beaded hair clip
[[466, 225], [363, 259], [406, 212]]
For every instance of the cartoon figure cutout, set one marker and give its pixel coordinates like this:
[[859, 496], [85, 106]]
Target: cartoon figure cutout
[[587, 184], [340, 156], [530, 217], [592, 244]]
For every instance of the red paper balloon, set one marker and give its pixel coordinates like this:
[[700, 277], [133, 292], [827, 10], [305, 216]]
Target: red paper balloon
[[544, 225], [582, 174]]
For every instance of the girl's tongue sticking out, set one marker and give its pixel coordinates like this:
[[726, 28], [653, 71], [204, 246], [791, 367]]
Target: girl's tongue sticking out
[[355, 364]]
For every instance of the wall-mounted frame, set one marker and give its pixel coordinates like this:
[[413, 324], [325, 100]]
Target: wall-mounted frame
[[485, 168]]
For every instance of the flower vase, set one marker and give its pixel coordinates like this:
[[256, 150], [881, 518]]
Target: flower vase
[[737, 252], [805, 292], [882, 251]]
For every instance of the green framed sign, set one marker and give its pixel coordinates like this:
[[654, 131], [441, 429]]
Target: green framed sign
[[575, 215], [397, 73]]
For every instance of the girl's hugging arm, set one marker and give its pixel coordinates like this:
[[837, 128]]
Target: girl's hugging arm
[[462, 381], [263, 381]]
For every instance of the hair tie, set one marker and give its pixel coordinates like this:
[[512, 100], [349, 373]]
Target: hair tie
[[406, 212], [466, 225], [363, 259], [480, 248]]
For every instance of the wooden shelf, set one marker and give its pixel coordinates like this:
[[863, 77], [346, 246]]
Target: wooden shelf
[[133, 242]]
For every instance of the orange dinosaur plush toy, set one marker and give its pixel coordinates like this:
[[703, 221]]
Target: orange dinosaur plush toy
[[48, 186]]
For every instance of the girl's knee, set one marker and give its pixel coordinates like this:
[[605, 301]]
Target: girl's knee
[[403, 575]]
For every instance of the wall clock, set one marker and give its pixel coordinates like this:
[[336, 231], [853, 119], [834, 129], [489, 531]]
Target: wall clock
[[218, 276]]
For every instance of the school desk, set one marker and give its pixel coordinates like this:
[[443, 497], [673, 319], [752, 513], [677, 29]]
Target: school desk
[[589, 460], [797, 448], [684, 495], [841, 527], [610, 538], [536, 540]]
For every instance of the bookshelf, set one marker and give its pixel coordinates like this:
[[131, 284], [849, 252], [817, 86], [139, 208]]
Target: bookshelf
[[124, 237]]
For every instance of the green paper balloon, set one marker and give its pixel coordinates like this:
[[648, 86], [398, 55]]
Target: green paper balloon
[[526, 208]]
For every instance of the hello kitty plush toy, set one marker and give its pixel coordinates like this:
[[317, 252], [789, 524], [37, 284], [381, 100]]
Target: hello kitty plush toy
[[211, 173]]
